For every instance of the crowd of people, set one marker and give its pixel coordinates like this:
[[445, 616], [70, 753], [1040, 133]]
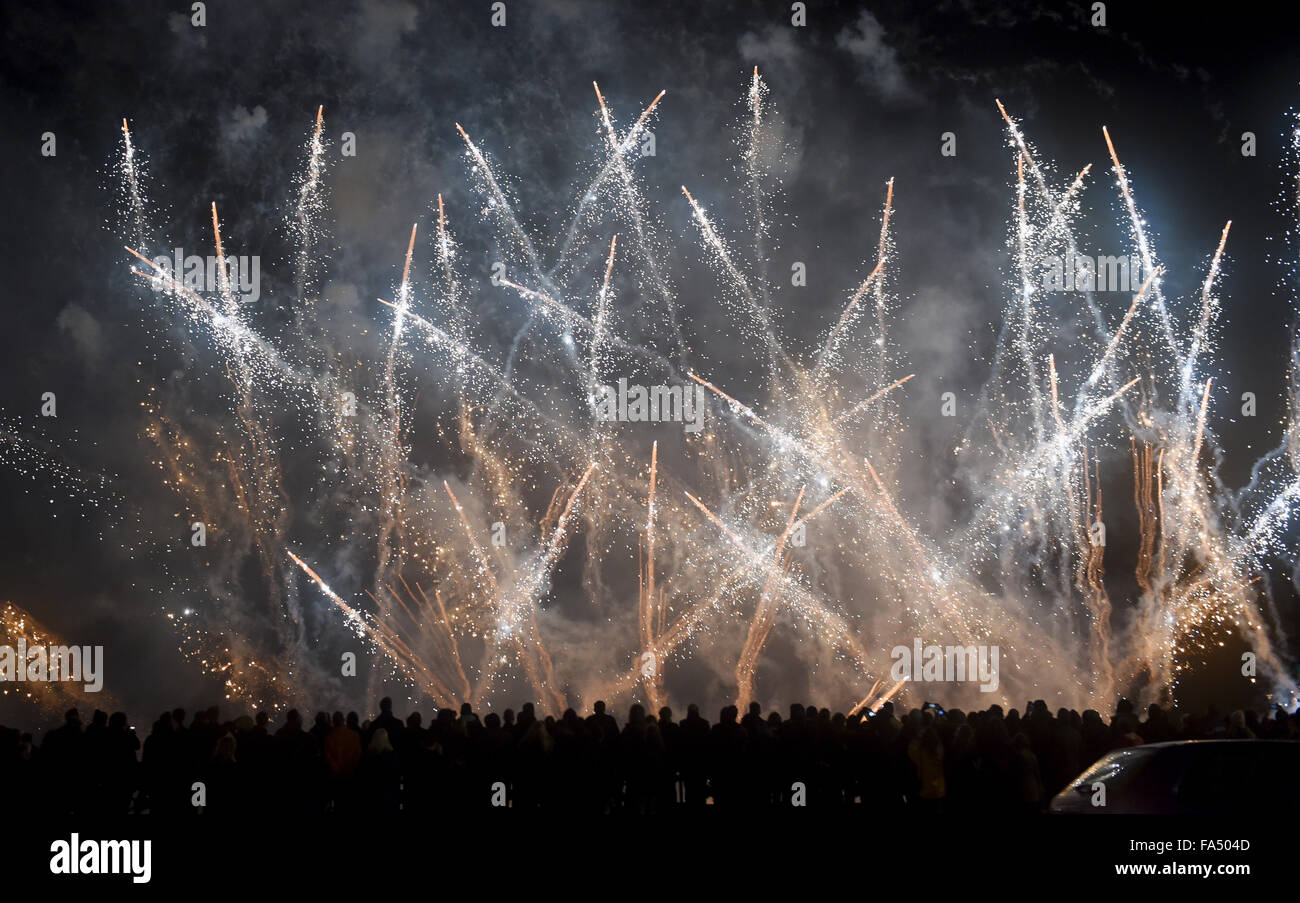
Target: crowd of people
[[926, 759]]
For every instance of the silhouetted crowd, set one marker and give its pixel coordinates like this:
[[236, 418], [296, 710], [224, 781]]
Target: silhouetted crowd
[[927, 759]]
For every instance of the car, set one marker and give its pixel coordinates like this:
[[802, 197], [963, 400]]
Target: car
[[1188, 777]]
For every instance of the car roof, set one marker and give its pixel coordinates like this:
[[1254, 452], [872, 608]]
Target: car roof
[[1171, 744]]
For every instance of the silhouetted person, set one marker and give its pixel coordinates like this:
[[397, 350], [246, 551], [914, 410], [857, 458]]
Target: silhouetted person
[[224, 787], [387, 721], [693, 751], [380, 778], [120, 748], [320, 727], [342, 750], [63, 762], [726, 756], [1026, 784], [163, 766], [298, 765], [927, 756], [599, 720], [669, 732]]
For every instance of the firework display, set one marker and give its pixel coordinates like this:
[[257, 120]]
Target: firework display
[[580, 539]]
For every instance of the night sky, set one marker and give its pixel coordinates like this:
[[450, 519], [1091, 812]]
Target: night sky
[[860, 95]]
